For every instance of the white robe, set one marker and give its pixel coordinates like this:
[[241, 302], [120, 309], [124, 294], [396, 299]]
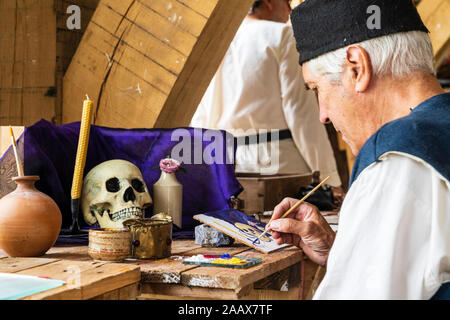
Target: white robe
[[259, 85], [393, 240]]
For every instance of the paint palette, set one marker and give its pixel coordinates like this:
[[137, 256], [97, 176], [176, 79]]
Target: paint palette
[[226, 261]]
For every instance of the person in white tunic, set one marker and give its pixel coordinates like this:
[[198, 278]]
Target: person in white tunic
[[379, 90], [259, 86]]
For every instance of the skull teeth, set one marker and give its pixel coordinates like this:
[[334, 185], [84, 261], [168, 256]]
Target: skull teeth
[[127, 213]]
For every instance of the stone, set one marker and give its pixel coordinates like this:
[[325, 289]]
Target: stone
[[210, 237]]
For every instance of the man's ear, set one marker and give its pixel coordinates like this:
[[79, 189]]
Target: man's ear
[[359, 68]]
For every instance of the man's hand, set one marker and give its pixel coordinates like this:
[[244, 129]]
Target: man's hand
[[305, 227]]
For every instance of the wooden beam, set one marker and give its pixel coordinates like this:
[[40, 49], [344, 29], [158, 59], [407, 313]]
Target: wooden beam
[[434, 14], [27, 61], [148, 63], [35, 48], [5, 138]]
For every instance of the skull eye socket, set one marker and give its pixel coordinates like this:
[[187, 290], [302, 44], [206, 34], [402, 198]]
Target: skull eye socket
[[113, 185], [138, 185]]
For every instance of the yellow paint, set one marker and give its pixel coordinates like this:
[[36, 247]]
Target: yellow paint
[[233, 261]]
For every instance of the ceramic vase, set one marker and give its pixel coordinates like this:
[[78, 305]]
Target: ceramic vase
[[30, 221], [168, 197]]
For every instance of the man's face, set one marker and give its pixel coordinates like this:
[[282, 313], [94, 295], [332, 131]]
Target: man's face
[[339, 104]]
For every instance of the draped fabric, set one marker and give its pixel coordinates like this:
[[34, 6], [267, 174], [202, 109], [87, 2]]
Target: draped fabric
[[49, 151]]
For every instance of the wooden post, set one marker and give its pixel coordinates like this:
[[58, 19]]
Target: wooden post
[[35, 47], [434, 14], [148, 63]]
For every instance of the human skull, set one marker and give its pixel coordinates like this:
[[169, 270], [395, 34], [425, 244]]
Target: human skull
[[112, 192]]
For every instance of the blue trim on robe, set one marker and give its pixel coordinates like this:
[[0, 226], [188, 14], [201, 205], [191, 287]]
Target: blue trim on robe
[[425, 134], [443, 293]]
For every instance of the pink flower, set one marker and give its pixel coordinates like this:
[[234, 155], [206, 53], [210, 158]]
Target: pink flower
[[169, 165]]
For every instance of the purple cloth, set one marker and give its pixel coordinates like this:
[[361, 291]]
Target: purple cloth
[[50, 152]]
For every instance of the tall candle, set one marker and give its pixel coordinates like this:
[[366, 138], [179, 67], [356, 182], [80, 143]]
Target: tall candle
[[82, 148]]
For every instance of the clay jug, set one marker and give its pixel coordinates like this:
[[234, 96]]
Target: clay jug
[[30, 221], [168, 197]]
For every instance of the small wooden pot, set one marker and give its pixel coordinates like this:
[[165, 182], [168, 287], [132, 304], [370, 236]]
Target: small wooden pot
[[109, 244]]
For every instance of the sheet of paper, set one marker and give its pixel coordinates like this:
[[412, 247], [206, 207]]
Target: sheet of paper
[[14, 286], [242, 228]]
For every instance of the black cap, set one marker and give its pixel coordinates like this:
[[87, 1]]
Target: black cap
[[322, 26]]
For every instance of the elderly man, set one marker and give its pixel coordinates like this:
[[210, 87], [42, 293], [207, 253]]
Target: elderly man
[[375, 82], [259, 87]]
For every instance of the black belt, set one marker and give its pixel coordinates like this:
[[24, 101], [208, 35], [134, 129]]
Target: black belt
[[264, 137]]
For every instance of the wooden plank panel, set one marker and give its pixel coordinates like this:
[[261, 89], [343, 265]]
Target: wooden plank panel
[[35, 50], [67, 42], [127, 293], [28, 61], [131, 84], [232, 250], [79, 253], [85, 280], [13, 265], [157, 291], [140, 58], [204, 8], [202, 63], [180, 15], [181, 246], [227, 278], [171, 270], [162, 271], [291, 294], [435, 15], [127, 58], [108, 277]]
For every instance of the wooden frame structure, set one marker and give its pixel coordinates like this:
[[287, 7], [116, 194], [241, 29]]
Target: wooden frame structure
[[147, 63]]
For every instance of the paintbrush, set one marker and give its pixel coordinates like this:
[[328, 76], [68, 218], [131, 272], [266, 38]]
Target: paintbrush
[[20, 172], [295, 206]]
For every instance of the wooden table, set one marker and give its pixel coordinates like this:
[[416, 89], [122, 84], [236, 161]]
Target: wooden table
[[282, 275], [84, 279]]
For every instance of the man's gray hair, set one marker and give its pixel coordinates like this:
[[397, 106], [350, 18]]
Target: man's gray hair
[[395, 55]]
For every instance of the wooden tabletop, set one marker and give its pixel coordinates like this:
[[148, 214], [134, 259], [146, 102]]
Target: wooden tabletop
[[164, 275], [84, 279]]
